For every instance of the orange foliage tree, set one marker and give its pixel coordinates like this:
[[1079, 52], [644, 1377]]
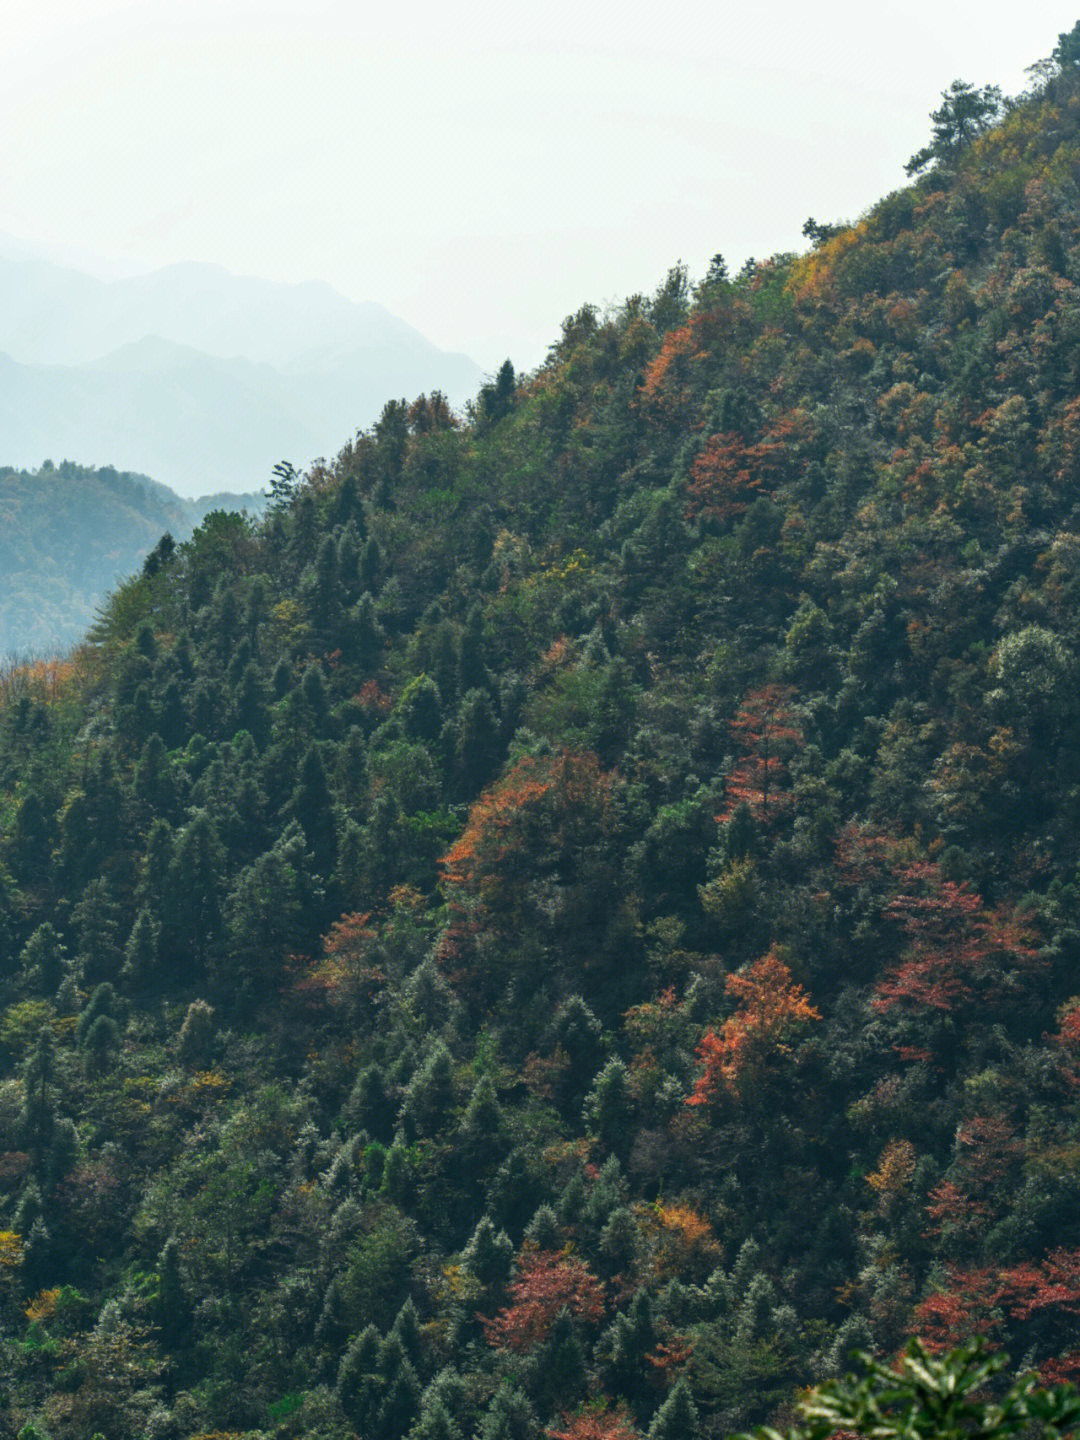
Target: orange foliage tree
[[730, 471], [597, 1421], [682, 1241], [679, 373], [539, 822], [771, 1006], [546, 1282], [1068, 1037], [345, 975]]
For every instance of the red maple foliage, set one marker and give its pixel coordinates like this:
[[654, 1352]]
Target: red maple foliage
[[671, 376], [1069, 1028], [964, 1308], [952, 1209], [765, 729], [546, 1282], [771, 1005], [1068, 1037], [730, 471], [977, 1301], [1054, 1283], [1060, 1369], [344, 975], [596, 1422], [955, 945]]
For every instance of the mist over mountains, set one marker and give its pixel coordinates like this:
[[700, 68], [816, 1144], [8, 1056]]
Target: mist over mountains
[[198, 377]]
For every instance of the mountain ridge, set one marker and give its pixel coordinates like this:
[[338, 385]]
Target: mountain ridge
[[569, 924], [301, 366], [69, 534]]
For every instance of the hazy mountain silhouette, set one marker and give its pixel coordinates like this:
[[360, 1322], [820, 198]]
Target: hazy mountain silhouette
[[202, 378]]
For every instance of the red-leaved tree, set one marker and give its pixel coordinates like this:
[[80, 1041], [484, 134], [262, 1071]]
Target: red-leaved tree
[[533, 820], [984, 1301], [730, 471], [597, 1421], [956, 947], [765, 730], [546, 1282]]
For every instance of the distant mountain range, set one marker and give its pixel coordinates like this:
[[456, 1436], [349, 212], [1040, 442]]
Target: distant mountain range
[[68, 534], [202, 378]]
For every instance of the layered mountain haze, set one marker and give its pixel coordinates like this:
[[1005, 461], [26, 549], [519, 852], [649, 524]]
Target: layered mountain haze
[[568, 925], [201, 378]]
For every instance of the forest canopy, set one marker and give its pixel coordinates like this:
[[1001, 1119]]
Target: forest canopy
[[568, 925]]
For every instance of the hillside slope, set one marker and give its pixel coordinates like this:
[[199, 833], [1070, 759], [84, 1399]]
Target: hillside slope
[[582, 903], [68, 534]]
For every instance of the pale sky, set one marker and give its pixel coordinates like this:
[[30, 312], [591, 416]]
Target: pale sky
[[482, 171]]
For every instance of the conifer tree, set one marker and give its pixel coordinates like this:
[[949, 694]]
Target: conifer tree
[[39, 1074], [429, 1095], [42, 959], [560, 1365], [140, 969], [193, 915], [509, 1416], [677, 1417], [434, 1423], [370, 1105], [313, 806], [172, 1307], [489, 1255], [101, 1044], [360, 1386]]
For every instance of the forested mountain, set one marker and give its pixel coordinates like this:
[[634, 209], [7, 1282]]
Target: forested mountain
[[569, 925], [202, 378], [69, 534]]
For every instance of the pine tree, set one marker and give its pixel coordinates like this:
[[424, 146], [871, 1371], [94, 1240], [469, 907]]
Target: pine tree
[[434, 1423], [103, 1001], [172, 1307], [560, 1366], [609, 1108], [154, 787], [482, 1133], [140, 970], [192, 918], [677, 1418], [313, 806], [429, 1096], [370, 1105], [96, 918], [101, 1044], [489, 1255], [196, 1036], [360, 1386], [509, 1416], [42, 960]]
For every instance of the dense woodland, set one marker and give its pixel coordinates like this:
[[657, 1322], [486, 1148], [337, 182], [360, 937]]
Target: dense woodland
[[568, 926], [68, 534]]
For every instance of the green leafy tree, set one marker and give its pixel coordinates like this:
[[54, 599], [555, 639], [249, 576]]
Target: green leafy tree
[[934, 1397]]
